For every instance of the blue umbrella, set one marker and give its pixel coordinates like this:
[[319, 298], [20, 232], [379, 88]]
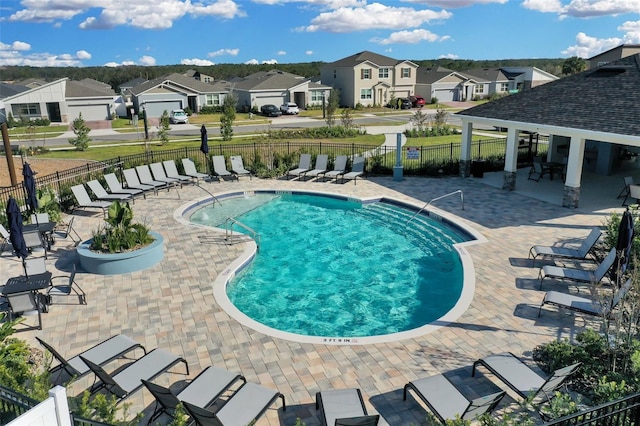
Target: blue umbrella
[[30, 187], [15, 228], [204, 140]]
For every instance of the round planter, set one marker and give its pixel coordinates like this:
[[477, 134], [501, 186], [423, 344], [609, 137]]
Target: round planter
[[121, 263]]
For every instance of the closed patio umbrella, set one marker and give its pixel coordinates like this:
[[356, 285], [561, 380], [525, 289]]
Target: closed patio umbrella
[[204, 144], [30, 186], [15, 228], [625, 242]]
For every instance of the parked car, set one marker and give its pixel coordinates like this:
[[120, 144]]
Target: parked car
[[270, 111], [178, 116], [289, 108], [406, 103], [417, 101]]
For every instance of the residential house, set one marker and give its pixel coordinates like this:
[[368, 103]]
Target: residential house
[[277, 87], [446, 85], [368, 79], [176, 91], [93, 99], [205, 78], [614, 54], [591, 119]]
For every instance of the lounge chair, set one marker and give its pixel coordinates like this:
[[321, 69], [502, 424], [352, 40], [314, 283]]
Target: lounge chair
[[102, 194], [580, 252], [190, 170], [579, 275], [4, 234], [158, 174], [172, 172], [237, 166], [303, 166], [245, 406], [25, 303], [101, 354], [220, 168], [68, 288], [67, 231], [115, 187], [129, 379], [602, 308], [34, 242], [319, 168], [144, 174], [357, 170], [446, 401], [201, 391], [522, 379], [624, 192], [344, 407], [339, 168], [132, 180], [84, 201]]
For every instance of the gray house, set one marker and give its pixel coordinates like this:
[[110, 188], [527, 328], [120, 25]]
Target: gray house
[[591, 119]]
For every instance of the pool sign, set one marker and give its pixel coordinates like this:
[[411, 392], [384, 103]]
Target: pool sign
[[413, 153]]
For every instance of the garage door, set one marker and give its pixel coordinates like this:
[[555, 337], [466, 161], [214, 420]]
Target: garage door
[[89, 112], [266, 100], [446, 95], [155, 109]]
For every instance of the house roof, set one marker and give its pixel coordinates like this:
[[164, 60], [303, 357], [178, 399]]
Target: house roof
[[87, 88], [488, 74], [132, 83], [619, 47], [269, 80], [598, 100], [180, 80], [7, 89], [366, 56], [433, 75]]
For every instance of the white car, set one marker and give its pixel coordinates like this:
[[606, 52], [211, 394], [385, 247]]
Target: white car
[[289, 108], [178, 116]]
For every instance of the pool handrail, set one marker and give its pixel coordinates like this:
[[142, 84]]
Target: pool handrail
[[228, 228], [212, 196], [459, 191]]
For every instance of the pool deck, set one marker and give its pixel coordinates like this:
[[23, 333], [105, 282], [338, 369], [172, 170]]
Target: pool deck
[[171, 305]]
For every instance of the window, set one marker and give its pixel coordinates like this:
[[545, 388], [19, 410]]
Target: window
[[213, 100], [504, 87], [365, 74], [406, 72], [25, 109], [478, 89], [366, 94], [334, 74], [383, 73], [316, 96]]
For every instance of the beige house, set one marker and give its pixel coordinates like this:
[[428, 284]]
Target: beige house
[[368, 79], [614, 54]]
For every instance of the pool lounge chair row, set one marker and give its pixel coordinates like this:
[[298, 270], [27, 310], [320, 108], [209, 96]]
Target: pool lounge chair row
[[243, 404], [321, 170], [219, 168]]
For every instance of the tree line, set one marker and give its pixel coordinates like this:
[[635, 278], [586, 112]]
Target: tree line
[[115, 76]]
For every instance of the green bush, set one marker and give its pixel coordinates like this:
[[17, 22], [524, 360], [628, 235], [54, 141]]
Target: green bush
[[120, 234]]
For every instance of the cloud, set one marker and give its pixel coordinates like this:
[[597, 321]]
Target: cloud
[[325, 4], [373, 16], [281, 53], [147, 60], [220, 52], [587, 47], [270, 61], [252, 62], [16, 45], [408, 37], [83, 54], [159, 14], [632, 30], [196, 61], [309, 52], [125, 63], [583, 8], [452, 4], [449, 56], [545, 6]]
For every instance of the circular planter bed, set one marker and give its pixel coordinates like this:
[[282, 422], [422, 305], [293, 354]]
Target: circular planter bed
[[121, 263]]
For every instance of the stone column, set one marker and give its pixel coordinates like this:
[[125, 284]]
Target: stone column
[[509, 181], [571, 197], [465, 168]]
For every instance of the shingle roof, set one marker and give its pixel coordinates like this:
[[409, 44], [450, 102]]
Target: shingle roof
[[599, 100], [269, 80], [179, 79], [361, 57], [488, 74], [87, 89], [7, 90]]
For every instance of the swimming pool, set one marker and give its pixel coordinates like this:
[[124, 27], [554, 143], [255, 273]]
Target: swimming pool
[[337, 270]]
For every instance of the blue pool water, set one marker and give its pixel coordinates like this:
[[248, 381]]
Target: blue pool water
[[339, 268]]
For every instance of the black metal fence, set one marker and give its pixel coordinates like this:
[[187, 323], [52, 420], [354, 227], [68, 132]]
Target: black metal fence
[[623, 412], [13, 404], [433, 160]]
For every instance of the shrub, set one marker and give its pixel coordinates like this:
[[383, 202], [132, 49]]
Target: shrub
[[120, 234]]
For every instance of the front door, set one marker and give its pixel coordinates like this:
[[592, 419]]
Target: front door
[[53, 111]]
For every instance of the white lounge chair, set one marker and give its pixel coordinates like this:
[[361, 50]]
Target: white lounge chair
[[344, 407], [580, 252], [320, 167], [237, 166], [102, 194], [84, 201], [339, 168], [220, 168], [158, 174], [172, 172], [133, 182], [584, 305], [303, 166], [190, 170], [585, 276], [357, 170], [115, 187], [144, 174]]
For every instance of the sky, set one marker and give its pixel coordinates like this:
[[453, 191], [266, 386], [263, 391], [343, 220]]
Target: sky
[[81, 33]]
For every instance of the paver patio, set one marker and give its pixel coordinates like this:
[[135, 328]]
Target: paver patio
[[171, 305]]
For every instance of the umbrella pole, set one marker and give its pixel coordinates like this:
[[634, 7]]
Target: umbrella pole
[[8, 154]]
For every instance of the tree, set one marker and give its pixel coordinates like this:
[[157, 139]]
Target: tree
[[573, 65], [228, 116], [81, 130], [419, 120], [332, 106], [164, 127], [346, 118]]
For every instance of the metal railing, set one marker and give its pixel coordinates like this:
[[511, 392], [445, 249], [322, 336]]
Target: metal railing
[[622, 412], [459, 191], [13, 404], [228, 226]]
